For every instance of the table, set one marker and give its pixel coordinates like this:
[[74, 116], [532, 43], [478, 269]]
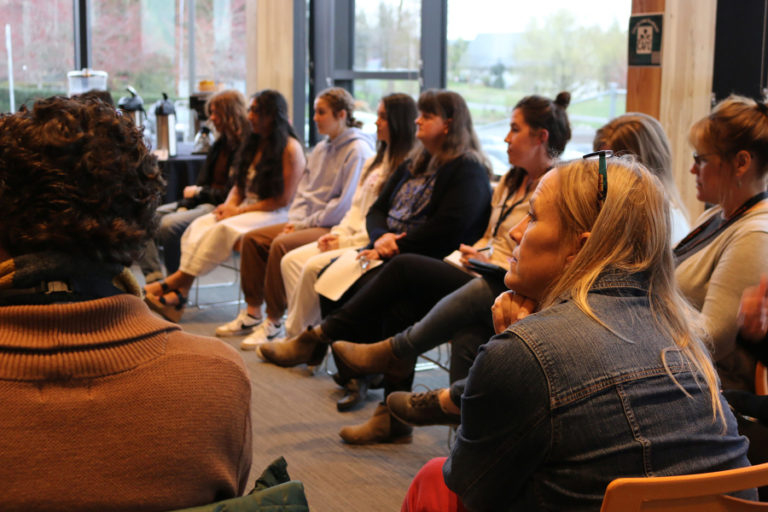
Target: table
[[180, 171]]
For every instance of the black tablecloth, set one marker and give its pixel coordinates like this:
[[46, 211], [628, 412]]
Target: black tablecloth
[[180, 171]]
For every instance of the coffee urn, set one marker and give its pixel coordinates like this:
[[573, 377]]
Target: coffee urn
[[132, 106], [165, 120]]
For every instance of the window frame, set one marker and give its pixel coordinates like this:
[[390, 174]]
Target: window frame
[[331, 50]]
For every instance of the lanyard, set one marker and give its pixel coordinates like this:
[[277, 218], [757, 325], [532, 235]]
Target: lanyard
[[506, 211], [690, 242]]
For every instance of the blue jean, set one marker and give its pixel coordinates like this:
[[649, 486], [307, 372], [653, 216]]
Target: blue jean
[[558, 405], [172, 226], [462, 317]]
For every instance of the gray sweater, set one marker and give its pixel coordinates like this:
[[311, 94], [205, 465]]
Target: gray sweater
[[714, 278]]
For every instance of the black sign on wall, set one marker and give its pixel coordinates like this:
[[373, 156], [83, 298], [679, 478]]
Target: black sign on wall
[[645, 40]]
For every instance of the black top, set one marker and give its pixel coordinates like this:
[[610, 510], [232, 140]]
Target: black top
[[457, 212]]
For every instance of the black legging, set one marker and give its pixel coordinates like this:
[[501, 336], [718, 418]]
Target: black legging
[[396, 295]]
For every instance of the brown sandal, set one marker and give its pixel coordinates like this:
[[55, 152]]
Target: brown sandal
[[171, 312]]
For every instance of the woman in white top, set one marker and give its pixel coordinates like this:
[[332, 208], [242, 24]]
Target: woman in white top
[[395, 132], [269, 170]]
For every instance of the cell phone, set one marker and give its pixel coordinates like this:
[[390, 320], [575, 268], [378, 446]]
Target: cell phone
[[485, 268]]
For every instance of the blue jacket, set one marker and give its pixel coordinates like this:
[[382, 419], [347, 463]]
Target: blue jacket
[[558, 406]]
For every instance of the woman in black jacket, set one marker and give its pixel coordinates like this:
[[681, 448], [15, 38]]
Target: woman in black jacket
[[435, 201]]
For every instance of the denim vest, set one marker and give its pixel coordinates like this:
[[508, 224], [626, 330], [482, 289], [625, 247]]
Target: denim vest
[[558, 406]]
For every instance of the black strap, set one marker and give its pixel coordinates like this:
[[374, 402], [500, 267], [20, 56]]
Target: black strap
[[506, 211], [691, 243]]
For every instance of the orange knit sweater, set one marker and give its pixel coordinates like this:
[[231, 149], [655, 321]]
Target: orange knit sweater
[[103, 406]]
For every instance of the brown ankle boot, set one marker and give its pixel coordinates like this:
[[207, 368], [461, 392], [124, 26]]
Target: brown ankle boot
[[381, 428], [308, 347], [376, 357]]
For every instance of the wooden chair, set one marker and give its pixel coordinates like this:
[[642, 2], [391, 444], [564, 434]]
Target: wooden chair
[[704, 492]]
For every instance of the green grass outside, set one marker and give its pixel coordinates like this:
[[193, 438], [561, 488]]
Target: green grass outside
[[507, 98]]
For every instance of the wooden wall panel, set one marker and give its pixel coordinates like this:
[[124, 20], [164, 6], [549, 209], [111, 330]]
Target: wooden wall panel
[[678, 92], [644, 82], [269, 52], [688, 50]]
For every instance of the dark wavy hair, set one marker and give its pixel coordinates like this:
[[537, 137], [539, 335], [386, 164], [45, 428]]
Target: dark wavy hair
[[401, 115], [77, 177], [461, 139], [541, 112], [269, 171]]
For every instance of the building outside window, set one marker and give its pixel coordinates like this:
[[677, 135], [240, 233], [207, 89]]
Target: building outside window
[[520, 48]]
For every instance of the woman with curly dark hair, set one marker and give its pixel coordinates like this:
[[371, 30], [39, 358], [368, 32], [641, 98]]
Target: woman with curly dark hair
[[98, 394], [268, 170]]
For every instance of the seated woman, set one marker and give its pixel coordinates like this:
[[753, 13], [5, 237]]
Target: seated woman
[[228, 116], [323, 196], [395, 132], [728, 250], [636, 134], [105, 406], [539, 131], [602, 373], [641, 135], [432, 203], [268, 171]]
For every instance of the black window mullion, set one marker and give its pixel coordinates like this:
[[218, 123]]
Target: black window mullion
[[82, 31]]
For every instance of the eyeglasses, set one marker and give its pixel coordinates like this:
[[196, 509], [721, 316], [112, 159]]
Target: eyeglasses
[[602, 174], [699, 159]]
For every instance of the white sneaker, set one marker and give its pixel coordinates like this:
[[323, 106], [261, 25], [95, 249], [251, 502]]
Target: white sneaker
[[264, 333], [243, 324]]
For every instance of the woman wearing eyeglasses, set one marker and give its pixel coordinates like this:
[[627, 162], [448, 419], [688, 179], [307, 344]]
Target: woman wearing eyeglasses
[[728, 250], [601, 373]]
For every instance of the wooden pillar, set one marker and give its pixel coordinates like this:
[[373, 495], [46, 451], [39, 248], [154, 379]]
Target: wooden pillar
[[644, 82], [678, 93], [269, 47]]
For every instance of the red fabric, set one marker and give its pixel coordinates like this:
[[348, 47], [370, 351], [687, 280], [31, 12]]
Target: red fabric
[[428, 492]]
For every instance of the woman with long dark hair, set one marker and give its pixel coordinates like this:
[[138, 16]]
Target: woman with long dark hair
[[300, 268], [268, 170], [435, 201]]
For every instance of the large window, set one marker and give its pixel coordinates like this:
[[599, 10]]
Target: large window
[[387, 37], [376, 47], [145, 44], [41, 42], [520, 48]]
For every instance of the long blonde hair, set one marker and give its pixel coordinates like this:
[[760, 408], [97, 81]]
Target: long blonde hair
[[628, 232], [643, 136]]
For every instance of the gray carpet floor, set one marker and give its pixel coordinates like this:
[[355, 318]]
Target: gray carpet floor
[[294, 415]]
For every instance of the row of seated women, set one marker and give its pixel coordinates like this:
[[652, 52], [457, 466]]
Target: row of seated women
[[420, 200], [601, 367]]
